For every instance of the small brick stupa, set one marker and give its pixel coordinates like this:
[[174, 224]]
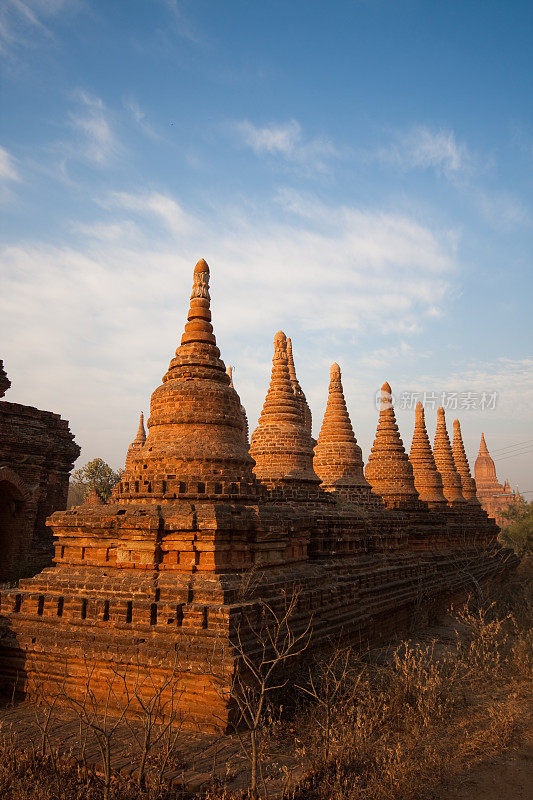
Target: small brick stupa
[[428, 481], [338, 460], [442, 452], [388, 470], [298, 391], [229, 370], [468, 484], [138, 442], [281, 445]]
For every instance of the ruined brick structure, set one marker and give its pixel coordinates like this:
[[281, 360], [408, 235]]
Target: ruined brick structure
[[155, 577], [493, 496], [37, 453]]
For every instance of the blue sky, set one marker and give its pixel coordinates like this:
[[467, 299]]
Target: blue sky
[[358, 174]]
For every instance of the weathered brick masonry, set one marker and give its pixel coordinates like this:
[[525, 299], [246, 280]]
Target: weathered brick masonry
[[37, 453], [155, 577]]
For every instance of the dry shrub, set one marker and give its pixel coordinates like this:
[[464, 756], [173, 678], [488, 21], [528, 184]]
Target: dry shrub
[[430, 712]]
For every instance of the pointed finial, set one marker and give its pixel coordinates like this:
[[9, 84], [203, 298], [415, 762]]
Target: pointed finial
[[201, 266], [229, 370], [198, 328], [334, 370], [141, 433]]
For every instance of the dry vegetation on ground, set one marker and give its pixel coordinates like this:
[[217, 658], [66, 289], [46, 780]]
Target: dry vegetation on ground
[[402, 724]]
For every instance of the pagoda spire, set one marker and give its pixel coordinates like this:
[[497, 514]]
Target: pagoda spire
[[196, 446], [442, 452], [428, 481], [388, 470], [298, 391], [483, 449], [198, 355], [141, 433], [280, 445], [468, 484], [338, 461], [138, 442]]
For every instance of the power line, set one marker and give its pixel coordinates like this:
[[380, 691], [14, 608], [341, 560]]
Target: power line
[[510, 455], [512, 446], [513, 455]]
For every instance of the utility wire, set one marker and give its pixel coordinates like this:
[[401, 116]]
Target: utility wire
[[514, 455], [512, 446]]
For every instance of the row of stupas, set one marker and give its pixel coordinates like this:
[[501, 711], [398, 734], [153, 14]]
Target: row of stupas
[[152, 582], [289, 461]]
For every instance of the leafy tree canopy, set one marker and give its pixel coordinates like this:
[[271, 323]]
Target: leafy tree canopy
[[519, 534], [98, 475]]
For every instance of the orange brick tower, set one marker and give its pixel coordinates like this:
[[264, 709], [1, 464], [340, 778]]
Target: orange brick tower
[[428, 481], [281, 445], [338, 461], [494, 497], [196, 437], [468, 484], [298, 391], [138, 442], [229, 370], [485, 471], [388, 470], [442, 452]]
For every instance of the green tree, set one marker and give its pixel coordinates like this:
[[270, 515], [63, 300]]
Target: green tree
[[519, 533], [96, 474]]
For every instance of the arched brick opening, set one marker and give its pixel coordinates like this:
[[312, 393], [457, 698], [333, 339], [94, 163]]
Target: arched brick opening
[[13, 512]]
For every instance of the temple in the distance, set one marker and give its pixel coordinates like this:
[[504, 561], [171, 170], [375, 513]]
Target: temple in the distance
[[496, 498], [153, 580]]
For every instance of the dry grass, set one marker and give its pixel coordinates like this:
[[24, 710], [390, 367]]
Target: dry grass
[[401, 726], [431, 712]]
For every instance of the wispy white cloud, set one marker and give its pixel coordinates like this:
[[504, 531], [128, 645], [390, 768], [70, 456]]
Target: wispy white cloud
[[153, 204], [501, 208], [424, 148], [287, 142], [183, 24], [132, 107], [96, 140], [8, 170], [22, 21]]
